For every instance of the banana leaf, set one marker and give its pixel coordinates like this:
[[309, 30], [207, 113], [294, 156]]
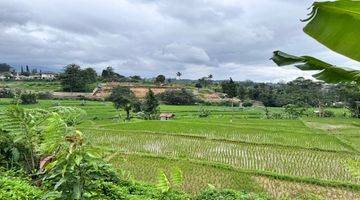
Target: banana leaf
[[337, 26], [328, 73]]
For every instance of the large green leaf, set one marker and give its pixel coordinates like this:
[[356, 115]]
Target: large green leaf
[[328, 73], [337, 26]]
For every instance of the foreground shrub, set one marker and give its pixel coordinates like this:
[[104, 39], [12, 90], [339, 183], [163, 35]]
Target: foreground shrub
[[294, 111], [45, 95], [226, 103], [290, 112], [228, 195], [28, 98], [247, 104], [328, 113], [11, 148], [131, 190], [178, 97], [6, 93], [12, 188], [271, 115], [203, 112]]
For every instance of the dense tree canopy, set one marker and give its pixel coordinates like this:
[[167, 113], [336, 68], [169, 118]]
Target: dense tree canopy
[[124, 98], [160, 79], [198, 85], [75, 79], [178, 97], [89, 75], [349, 93], [4, 67], [229, 88], [300, 91], [204, 82], [108, 74], [70, 80], [151, 105]]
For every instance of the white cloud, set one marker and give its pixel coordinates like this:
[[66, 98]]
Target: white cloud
[[264, 73], [144, 37], [183, 53]]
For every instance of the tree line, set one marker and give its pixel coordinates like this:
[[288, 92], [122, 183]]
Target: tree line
[[76, 79], [301, 91]]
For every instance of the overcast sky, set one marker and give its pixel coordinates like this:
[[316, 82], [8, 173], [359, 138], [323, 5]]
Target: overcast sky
[[146, 37]]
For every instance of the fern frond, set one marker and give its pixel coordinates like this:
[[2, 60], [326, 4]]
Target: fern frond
[[71, 115], [177, 177], [163, 182], [19, 121], [53, 134]]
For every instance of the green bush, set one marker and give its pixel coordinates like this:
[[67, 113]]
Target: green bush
[[221, 103], [228, 195], [203, 112], [294, 111], [178, 97], [28, 98], [137, 106], [6, 93], [108, 190], [55, 103], [247, 104], [45, 95], [328, 113], [14, 189], [275, 115], [132, 190]]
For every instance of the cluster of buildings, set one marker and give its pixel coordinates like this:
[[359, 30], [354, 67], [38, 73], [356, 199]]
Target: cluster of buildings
[[37, 76], [7, 72]]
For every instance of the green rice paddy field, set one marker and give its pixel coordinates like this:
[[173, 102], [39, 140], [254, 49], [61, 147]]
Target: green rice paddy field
[[35, 86], [233, 148]]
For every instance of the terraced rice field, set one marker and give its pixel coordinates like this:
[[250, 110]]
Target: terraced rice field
[[233, 148], [281, 160]]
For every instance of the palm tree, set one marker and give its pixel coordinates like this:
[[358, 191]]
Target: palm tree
[[333, 25], [178, 74]]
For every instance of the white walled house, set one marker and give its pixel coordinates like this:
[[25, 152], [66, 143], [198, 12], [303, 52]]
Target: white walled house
[[42, 76], [48, 76]]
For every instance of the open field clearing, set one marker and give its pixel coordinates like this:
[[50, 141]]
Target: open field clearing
[[233, 148], [32, 85]]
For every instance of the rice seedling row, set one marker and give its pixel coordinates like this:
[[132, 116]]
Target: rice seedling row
[[281, 160], [261, 133]]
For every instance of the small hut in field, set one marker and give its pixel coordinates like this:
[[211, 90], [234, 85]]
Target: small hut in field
[[166, 116]]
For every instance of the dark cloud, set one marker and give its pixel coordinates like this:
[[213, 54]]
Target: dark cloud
[[146, 37]]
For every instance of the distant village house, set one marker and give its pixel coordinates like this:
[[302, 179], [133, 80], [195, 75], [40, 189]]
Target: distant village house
[[166, 116], [9, 73]]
